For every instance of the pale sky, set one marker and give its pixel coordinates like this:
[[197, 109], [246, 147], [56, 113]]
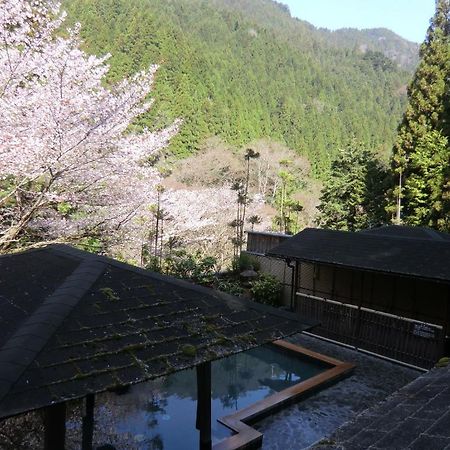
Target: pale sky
[[408, 18]]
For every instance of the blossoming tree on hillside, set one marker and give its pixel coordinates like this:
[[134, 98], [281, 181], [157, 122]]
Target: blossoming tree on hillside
[[68, 165]]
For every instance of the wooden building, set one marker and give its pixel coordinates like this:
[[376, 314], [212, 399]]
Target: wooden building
[[385, 290]]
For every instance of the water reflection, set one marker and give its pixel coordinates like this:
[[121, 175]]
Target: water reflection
[[160, 415]]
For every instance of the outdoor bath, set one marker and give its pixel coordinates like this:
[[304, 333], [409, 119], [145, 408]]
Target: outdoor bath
[[246, 387]]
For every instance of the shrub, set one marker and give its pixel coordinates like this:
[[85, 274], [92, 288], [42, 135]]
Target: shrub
[[231, 287], [91, 244], [191, 266], [443, 362], [154, 264], [267, 289], [245, 262]]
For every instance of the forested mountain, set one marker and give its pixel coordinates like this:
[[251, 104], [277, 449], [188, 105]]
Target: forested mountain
[[359, 192], [277, 16], [402, 52], [244, 70]]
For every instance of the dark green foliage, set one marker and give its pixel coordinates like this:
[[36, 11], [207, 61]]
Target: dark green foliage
[[275, 16], [379, 61], [191, 266], [244, 70], [254, 220], [443, 362], [427, 186], [246, 262], [267, 289], [352, 196], [153, 263], [422, 152], [230, 286], [92, 244]]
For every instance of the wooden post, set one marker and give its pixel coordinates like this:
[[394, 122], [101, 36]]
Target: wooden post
[[392, 304], [55, 427], [352, 285], [333, 284], [294, 284], [314, 279], [203, 422], [357, 325], [446, 330], [88, 422]]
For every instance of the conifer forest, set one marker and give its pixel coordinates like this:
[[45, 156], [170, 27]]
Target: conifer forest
[[144, 129]]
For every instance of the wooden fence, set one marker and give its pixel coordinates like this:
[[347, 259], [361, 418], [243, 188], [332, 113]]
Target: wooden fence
[[413, 342], [403, 339], [260, 242]]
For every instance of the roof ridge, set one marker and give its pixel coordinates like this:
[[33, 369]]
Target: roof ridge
[[431, 234], [375, 235], [21, 252], [24, 345], [68, 250], [434, 234], [409, 238]]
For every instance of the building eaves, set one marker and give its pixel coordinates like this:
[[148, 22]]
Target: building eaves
[[411, 257], [130, 325]]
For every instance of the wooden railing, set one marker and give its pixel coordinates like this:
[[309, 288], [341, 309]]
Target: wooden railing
[[407, 340]]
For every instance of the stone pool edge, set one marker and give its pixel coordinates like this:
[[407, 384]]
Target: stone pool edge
[[247, 437]]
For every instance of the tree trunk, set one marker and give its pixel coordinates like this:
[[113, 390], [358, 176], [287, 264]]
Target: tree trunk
[[13, 231]]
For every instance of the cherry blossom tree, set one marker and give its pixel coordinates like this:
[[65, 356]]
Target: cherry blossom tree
[[201, 218], [69, 165]]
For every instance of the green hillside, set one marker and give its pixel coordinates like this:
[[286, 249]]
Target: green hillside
[[244, 70], [300, 33], [404, 53]]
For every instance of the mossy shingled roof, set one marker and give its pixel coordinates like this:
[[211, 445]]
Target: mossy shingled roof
[[73, 323]]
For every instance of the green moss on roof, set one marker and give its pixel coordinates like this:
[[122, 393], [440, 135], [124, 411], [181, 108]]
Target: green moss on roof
[[109, 293], [131, 325], [189, 350]]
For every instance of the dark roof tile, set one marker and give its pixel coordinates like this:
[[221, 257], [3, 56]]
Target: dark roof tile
[[95, 324], [421, 257]]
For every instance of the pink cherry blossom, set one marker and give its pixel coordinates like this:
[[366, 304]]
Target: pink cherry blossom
[[64, 133]]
